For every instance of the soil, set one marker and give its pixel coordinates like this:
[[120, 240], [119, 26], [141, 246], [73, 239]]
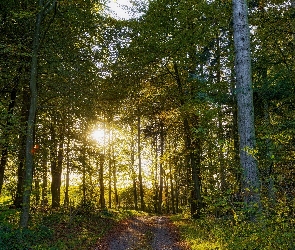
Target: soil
[[143, 233]]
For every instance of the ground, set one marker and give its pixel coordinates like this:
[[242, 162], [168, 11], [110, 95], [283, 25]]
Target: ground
[[143, 233]]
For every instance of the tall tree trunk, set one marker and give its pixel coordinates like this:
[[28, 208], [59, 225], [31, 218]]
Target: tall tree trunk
[[44, 201], [141, 192], [101, 184], [161, 168], [37, 191], [220, 126], [193, 153], [110, 170], [83, 162], [222, 170], [4, 153], [24, 219], [115, 181], [67, 198], [245, 104], [22, 151], [135, 199], [172, 188], [156, 193], [56, 167]]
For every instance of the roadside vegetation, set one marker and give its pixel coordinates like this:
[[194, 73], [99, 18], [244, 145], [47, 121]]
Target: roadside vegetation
[[268, 232], [72, 228]]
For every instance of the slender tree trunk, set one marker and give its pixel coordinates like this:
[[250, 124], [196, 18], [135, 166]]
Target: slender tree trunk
[[135, 199], [56, 167], [161, 168], [141, 192], [83, 162], [101, 184], [110, 170], [37, 191], [268, 171], [172, 188], [245, 104], [115, 183], [222, 170], [24, 219], [67, 198], [156, 193], [44, 181], [220, 125], [167, 200], [22, 151]]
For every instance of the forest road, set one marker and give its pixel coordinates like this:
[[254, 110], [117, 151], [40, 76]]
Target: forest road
[[143, 233]]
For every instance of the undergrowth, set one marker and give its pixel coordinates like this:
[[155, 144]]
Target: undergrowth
[[267, 233], [63, 229]]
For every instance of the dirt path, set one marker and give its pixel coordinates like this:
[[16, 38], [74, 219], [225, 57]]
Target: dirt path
[[143, 233]]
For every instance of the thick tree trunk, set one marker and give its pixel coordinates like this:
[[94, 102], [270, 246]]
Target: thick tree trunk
[[245, 104]]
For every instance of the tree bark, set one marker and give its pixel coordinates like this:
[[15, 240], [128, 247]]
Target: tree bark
[[141, 193], [133, 174], [22, 152], [245, 104], [67, 198], [56, 166], [115, 182], [44, 201], [101, 184], [4, 153], [24, 219], [110, 170], [161, 183], [44, 9], [172, 188]]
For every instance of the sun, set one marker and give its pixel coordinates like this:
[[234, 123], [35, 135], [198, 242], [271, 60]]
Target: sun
[[98, 135]]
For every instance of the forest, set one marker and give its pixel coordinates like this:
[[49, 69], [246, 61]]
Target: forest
[[185, 109]]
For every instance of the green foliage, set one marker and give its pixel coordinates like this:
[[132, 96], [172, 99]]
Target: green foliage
[[212, 233], [11, 237], [74, 228]]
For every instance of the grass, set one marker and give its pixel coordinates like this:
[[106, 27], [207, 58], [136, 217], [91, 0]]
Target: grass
[[212, 233], [58, 229]]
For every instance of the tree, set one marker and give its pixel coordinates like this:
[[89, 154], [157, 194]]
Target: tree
[[245, 103], [32, 111]]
